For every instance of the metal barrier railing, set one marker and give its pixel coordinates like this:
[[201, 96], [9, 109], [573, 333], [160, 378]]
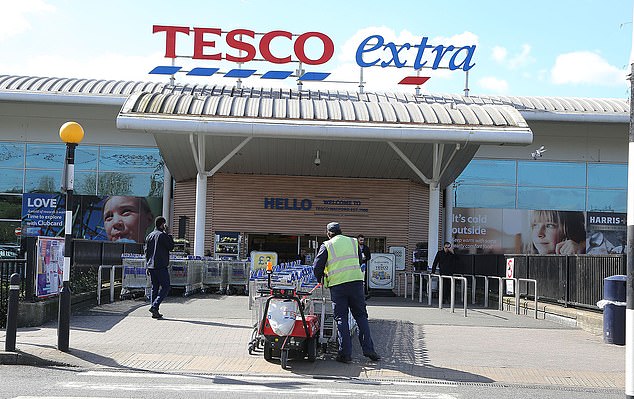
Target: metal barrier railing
[[515, 289], [452, 297], [486, 288], [112, 278], [500, 291], [464, 293], [517, 293], [473, 285], [403, 278]]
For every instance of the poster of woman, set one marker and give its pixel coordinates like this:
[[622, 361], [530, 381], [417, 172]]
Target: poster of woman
[[556, 232], [518, 231]]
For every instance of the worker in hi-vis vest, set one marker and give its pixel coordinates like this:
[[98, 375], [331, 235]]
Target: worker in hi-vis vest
[[337, 262]]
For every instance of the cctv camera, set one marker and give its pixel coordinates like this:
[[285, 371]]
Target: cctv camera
[[317, 161]]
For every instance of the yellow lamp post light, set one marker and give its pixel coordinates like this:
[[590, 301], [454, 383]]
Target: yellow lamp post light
[[72, 134]]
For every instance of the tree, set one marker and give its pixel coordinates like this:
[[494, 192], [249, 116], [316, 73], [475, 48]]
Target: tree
[[115, 183]]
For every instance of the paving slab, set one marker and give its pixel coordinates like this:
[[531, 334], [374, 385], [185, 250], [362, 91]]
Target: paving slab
[[209, 334]]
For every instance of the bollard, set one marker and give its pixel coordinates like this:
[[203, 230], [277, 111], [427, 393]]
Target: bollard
[[12, 313]]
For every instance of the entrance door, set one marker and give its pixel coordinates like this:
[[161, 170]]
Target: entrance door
[[285, 245]]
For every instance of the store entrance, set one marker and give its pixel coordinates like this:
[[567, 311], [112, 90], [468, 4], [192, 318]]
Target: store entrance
[[299, 247], [288, 247]]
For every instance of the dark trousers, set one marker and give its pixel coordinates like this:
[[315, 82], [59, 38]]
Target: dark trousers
[[366, 281], [160, 286], [350, 296], [446, 290]]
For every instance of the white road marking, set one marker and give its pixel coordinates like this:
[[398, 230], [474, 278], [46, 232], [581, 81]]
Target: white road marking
[[248, 388], [256, 379]]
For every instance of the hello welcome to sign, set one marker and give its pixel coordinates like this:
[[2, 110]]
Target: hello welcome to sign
[[243, 45]]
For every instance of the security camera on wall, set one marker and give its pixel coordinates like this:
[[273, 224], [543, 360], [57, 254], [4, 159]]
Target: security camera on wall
[[538, 152], [317, 161]]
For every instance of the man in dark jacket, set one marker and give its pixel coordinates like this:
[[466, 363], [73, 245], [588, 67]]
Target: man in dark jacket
[[446, 259], [364, 261], [158, 245]]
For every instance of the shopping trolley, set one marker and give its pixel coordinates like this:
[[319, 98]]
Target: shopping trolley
[[212, 275], [237, 277], [135, 279], [186, 273]]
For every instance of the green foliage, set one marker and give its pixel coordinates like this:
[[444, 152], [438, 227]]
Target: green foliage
[[83, 279]]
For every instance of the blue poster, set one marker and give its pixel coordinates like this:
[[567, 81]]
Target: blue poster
[[118, 218], [43, 214]]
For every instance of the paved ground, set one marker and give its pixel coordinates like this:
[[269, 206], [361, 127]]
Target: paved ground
[[209, 334]]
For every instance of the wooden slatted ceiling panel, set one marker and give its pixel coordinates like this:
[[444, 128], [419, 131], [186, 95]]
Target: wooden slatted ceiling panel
[[239, 204], [184, 205], [396, 208]]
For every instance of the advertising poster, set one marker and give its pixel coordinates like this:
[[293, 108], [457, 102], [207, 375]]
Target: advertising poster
[[382, 270], [112, 218], [49, 266], [43, 214], [606, 233], [488, 231], [259, 259], [524, 231], [399, 256]]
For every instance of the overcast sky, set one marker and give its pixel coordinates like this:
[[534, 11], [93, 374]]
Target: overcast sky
[[578, 48]]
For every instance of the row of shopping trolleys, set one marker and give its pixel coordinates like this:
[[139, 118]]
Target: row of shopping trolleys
[[191, 273], [294, 274]]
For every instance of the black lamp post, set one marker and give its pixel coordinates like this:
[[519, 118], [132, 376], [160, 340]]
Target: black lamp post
[[71, 133]]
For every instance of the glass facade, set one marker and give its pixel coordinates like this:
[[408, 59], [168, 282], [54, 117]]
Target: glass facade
[[99, 170], [568, 186]]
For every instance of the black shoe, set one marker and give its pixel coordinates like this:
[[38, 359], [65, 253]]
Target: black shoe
[[343, 359], [155, 313], [373, 356]]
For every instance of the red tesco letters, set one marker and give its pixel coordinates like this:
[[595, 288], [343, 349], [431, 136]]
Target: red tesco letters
[[234, 40]]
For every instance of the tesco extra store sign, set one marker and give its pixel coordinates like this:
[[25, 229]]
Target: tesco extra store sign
[[244, 45]]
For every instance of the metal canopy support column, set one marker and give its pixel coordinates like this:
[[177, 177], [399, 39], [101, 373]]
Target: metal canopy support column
[[434, 202], [167, 195], [228, 157], [434, 190], [434, 221], [201, 194], [409, 163], [449, 198]]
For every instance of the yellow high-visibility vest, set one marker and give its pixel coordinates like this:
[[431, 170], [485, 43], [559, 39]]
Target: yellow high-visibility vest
[[343, 261]]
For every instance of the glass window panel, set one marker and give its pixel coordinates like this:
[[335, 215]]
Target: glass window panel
[[12, 180], [476, 196], [130, 159], [607, 175], [9, 242], [11, 155], [607, 200], [85, 183], [551, 174], [43, 181], [488, 171], [135, 184], [45, 156], [86, 157], [564, 199], [10, 207]]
